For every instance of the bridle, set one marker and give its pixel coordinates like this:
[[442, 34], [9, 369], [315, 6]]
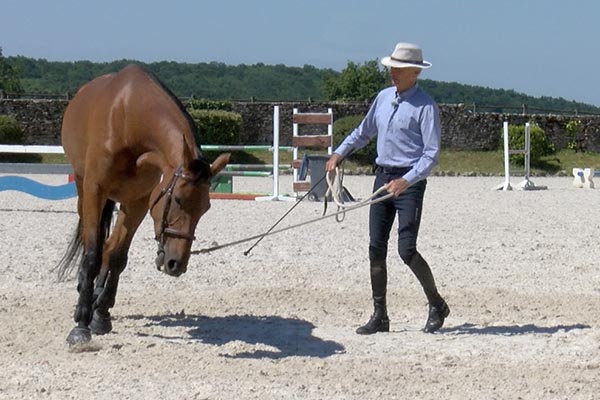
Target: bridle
[[165, 231]]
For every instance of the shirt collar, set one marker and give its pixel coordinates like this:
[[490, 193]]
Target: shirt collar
[[407, 93]]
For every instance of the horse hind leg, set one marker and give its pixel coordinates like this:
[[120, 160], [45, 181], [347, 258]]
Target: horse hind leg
[[115, 261]]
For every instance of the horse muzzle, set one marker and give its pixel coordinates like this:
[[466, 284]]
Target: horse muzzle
[[170, 265]]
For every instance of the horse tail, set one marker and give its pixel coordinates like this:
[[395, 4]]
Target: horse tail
[[73, 254], [106, 221]]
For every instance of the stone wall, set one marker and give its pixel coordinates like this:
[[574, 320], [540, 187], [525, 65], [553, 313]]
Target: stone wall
[[464, 129], [39, 119], [257, 125], [461, 127]]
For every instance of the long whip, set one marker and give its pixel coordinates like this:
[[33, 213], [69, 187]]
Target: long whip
[[287, 228], [261, 237]]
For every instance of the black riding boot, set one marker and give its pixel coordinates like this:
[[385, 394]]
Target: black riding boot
[[379, 321], [437, 315], [438, 309]]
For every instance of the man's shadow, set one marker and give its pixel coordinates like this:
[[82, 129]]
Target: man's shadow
[[287, 336], [511, 330]]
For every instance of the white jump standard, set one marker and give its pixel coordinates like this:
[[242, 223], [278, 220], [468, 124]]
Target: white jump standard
[[526, 184]]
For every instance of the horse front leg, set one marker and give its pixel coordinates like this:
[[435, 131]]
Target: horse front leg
[[91, 211], [83, 310], [106, 292], [114, 262]]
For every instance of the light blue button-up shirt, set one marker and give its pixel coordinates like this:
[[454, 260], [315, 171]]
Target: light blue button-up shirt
[[408, 132]]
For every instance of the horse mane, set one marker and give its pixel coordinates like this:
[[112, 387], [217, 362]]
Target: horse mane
[[192, 146]]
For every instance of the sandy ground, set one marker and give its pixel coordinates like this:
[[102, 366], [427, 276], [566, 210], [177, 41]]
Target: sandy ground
[[518, 269]]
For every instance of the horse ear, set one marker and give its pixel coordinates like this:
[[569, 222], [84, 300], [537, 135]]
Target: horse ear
[[219, 163], [152, 158], [201, 169]]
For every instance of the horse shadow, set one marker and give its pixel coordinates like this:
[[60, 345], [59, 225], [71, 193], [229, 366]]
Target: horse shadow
[[273, 337], [511, 330]]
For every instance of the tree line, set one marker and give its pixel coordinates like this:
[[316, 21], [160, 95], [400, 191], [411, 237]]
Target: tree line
[[217, 81]]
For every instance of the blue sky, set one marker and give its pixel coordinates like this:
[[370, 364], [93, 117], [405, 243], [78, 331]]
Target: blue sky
[[541, 48]]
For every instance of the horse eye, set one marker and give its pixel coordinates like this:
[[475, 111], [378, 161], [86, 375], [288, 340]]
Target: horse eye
[[177, 200]]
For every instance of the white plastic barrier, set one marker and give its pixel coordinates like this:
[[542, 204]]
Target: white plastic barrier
[[583, 178]]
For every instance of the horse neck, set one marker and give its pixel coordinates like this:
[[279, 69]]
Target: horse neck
[[177, 150]]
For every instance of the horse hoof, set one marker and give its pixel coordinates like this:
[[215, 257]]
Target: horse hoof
[[101, 324], [79, 335]]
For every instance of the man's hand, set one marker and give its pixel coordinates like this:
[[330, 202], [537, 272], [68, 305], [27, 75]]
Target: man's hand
[[333, 162], [397, 186]]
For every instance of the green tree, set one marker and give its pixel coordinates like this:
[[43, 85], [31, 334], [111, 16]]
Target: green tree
[[218, 81], [356, 82], [9, 77]]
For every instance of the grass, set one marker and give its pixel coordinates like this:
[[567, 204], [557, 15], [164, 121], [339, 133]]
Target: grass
[[54, 159], [458, 162], [34, 158], [492, 162], [462, 162]]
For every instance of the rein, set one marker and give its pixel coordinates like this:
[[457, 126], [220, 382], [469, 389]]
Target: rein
[[342, 209], [165, 231]]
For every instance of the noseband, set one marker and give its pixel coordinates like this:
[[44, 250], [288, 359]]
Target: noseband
[[165, 231]]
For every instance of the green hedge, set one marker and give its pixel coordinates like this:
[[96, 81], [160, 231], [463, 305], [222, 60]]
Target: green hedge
[[10, 131], [342, 127], [217, 126], [203, 104], [540, 146]]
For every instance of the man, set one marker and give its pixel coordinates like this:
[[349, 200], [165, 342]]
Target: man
[[407, 125]]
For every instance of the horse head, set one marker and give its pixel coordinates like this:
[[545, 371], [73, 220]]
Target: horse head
[[176, 206]]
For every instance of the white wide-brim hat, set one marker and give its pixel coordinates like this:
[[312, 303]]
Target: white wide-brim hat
[[406, 55]]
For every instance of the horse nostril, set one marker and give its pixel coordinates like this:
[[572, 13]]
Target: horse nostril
[[172, 266]]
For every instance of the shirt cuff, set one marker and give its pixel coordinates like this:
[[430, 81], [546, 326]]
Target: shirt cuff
[[411, 177], [343, 151]]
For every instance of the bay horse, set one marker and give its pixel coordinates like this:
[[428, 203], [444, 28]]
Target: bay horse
[[129, 141]]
